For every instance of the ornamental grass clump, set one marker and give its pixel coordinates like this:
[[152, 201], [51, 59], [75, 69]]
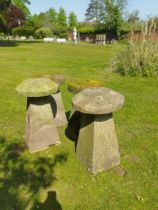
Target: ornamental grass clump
[[137, 59]]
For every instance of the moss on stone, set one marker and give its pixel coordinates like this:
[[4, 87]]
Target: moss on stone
[[37, 87], [97, 100], [58, 78], [76, 86]]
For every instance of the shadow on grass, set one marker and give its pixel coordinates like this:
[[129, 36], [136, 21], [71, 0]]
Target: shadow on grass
[[51, 203], [28, 42], [73, 128], [23, 176], [7, 43], [10, 43]]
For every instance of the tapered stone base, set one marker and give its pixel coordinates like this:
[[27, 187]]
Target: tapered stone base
[[97, 146], [41, 131], [59, 117]]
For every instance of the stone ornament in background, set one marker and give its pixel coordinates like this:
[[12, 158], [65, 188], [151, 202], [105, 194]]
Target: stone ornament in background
[[41, 131], [97, 146]]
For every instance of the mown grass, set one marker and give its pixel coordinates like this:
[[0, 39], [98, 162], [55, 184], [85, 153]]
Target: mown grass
[[54, 178]]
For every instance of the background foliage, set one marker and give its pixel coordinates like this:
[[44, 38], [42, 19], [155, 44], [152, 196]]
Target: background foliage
[[137, 59]]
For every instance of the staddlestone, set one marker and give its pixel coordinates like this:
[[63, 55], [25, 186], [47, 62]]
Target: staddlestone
[[97, 101], [97, 146], [58, 78], [37, 87]]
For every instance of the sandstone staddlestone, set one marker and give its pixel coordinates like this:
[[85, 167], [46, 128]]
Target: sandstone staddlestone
[[97, 101], [37, 87]]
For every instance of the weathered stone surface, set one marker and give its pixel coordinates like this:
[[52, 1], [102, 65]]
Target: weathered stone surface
[[58, 78], [97, 146], [37, 87], [41, 129], [78, 85], [97, 101], [59, 116]]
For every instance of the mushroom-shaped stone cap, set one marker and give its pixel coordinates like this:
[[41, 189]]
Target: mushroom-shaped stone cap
[[97, 101], [37, 87], [58, 78]]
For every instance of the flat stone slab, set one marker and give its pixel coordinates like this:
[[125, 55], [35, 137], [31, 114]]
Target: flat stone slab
[[97, 101], [37, 87], [76, 86], [58, 78]]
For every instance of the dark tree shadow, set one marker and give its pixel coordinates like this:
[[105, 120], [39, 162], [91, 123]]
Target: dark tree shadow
[[20, 173], [15, 43], [28, 42], [7, 43], [51, 203]]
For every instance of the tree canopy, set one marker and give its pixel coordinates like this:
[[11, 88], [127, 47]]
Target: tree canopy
[[4, 4], [72, 20], [107, 12]]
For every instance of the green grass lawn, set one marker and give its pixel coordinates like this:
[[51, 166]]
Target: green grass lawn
[[54, 179]]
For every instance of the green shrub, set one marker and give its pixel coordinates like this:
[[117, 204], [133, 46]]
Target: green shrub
[[137, 58], [43, 32], [87, 30], [23, 31], [2, 35]]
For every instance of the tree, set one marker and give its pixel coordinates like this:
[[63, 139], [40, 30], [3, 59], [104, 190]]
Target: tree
[[53, 15], [107, 12], [21, 4], [134, 17], [72, 20], [50, 19], [4, 4], [11, 13], [44, 19], [62, 19], [43, 32], [14, 17], [95, 11], [121, 4], [61, 26], [114, 16]]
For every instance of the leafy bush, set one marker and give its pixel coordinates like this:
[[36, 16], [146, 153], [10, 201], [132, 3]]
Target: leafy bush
[[43, 32], [86, 30], [2, 35], [23, 31], [137, 58]]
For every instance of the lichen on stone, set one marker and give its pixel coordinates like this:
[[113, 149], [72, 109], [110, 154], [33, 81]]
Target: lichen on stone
[[75, 86], [37, 87]]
